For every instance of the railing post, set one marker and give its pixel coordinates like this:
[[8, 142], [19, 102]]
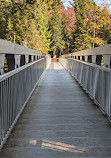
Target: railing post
[[32, 57], [17, 61], [86, 58], [2, 56], [81, 58], [106, 60], [26, 59], [94, 59], [35, 57]]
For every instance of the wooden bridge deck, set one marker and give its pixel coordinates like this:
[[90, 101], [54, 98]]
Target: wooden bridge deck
[[59, 121]]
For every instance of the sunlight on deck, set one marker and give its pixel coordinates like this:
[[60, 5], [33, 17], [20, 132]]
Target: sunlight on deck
[[33, 142], [53, 145], [62, 146], [58, 66]]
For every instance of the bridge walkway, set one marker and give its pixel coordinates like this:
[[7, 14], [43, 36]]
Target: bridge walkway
[[59, 121]]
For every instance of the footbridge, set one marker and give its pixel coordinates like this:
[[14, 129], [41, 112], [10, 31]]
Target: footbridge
[[55, 109]]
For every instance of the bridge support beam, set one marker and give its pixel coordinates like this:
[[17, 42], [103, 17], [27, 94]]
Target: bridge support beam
[[2, 56]]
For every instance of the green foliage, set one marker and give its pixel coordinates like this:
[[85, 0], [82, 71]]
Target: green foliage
[[46, 26], [26, 23], [81, 35], [56, 29], [43, 27], [93, 25]]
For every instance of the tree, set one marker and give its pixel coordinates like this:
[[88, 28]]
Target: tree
[[68, 17], [4, 12], [94, 16], [106, 4], [56, 26], [81, 36], [105, 28], [98, 20], [46, 25], [42, 21], [24, 20]]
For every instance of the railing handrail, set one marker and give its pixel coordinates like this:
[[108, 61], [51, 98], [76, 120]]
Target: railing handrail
[[13, 56], [15, 71], [7, 47], [102, 50], [99, 55], [91, 64]]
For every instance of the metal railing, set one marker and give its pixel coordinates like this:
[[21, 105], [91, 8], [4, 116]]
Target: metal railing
[[13, 56], [99, 55], [94, 79], [16, 88]]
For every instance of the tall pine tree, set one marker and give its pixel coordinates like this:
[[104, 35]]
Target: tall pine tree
[[81, 36], [57, 36]]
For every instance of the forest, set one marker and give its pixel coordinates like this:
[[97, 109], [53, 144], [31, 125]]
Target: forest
[[49, 27]]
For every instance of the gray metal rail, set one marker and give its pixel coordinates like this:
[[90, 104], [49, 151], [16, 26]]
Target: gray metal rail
[[99, 55], [16, 55], [16, 88], [94, 79]]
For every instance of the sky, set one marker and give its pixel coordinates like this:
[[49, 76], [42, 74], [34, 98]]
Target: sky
[[66, 2]]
